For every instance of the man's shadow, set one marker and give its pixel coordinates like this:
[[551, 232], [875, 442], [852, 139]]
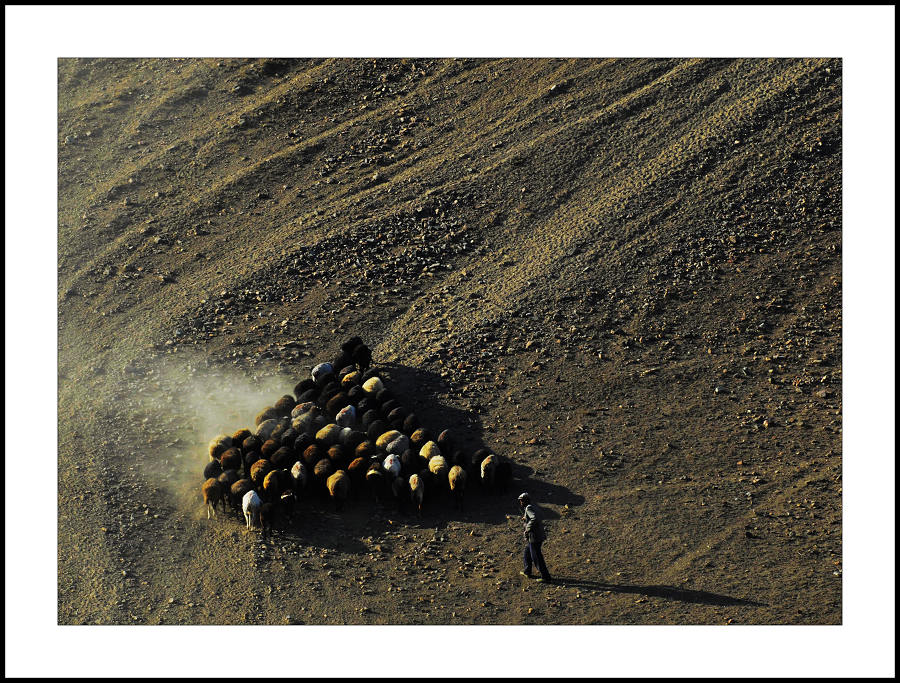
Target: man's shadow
[[667, 592]]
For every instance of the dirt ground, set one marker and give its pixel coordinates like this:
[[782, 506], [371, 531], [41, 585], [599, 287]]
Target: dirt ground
[[623, 275]]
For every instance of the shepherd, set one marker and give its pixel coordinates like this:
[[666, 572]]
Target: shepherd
[[534, 537]]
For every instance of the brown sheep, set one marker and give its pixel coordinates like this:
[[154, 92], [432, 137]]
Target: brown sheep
[[269, 447], [283, 458], [268, 413], [321, 472], [272, 486], [356, 470], [251, 443], [285, 405], [258, 472], [238, 438], [238, 490], [339, 487], [212, 494], [231, 459], [218, 446], [312, 455], [338, 456], [457, 477]]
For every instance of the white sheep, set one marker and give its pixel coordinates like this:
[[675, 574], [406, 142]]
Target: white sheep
[[373, 385], [346, 416], [251, 505], [398, 445], [321, 370], [392, 465]]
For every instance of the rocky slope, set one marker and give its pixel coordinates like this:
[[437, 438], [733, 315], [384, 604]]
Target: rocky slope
[[625, 275]]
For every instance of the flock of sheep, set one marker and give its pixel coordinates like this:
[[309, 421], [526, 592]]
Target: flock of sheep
[[342, 435]]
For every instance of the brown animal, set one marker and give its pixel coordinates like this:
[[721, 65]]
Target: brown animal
[[212, 494], [339, 488]]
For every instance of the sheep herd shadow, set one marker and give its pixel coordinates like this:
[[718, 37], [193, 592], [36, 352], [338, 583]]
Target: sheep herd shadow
[[317, 523]]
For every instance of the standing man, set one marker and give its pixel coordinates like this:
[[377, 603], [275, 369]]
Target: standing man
[[534, 537]]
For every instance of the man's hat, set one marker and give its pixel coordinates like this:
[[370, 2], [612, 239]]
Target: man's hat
[[524, 496]]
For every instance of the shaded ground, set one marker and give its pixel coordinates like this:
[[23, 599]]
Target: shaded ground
[[625, 275]]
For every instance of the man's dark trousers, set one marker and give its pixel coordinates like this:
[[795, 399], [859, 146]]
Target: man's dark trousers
[[533, 554]]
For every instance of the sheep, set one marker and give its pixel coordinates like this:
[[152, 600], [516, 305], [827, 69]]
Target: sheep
[[282, 458], [350, 380], [329, 434], [310, 421], [390, 405], [376, 480], [251, 443], [302, 442], [457, 478], [369, 374], [429, 450], [417, 492], [267, 413], [346, 416], [350, 440], [398, 445], [320, 371], [365, 404], [396, 417], [231, 459], [249, 458], [218, 446], [355, 393], [321, 472], [288, 504], [410, 424], [259, 470], [285, 405], [338, 456], [265, 429], [250, 505], [373, 385], [269, 447], [301, 408], [328, 392], [212, 494], [357, 473], [271, 487], [300, 476], [369, 417], [337, 402], [308, 395], [419, 438], [288, 436], [303, 386], [409, 462], [238, 490], [392, 465], [339, 487], [384, 396], [488, 471], [366, 449], [278, 431], [438, 467], [267, 513], [376, 429], [312, 455], [227, 479], [384, 439], [446, 442], [213, 469], [342, 361], [237, 439]]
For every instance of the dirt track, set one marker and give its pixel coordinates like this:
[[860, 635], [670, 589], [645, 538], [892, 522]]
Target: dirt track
[[624, 275]]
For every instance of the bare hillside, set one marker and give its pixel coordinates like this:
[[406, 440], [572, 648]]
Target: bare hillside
[[623, 275]]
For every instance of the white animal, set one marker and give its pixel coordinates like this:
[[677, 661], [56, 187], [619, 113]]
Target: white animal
[[392, 465], [251, 505], [346, 416]]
